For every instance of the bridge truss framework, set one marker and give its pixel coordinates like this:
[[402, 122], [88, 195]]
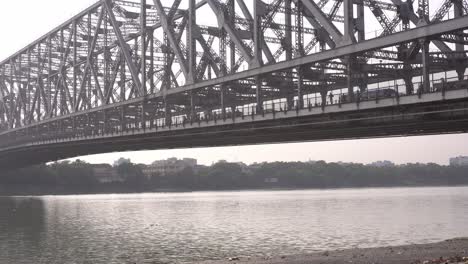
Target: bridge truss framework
[[122, 65]]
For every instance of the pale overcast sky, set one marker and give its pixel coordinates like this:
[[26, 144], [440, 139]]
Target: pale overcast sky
[[22, 21]]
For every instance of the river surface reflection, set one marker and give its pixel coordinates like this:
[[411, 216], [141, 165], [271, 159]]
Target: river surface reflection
[[184, 227]]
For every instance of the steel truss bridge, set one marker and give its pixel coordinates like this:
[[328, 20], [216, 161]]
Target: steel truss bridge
[[153, 74]]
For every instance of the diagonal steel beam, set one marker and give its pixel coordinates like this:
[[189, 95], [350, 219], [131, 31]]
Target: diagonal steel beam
[[231, 30], [89, 60], [4, 93], [249, 17], [115, 69], [364, 46], [172, 38], [415, 20], [210, 55], [171, 56], [315, 11], [107, 4], [442, 11], [61, 68], [96, 81]]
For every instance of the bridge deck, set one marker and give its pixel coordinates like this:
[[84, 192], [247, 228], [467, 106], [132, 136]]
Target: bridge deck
[[137, 74], [433, 113]]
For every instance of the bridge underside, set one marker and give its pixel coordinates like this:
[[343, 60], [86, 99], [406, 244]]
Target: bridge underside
[[136, 74], [378, 118]]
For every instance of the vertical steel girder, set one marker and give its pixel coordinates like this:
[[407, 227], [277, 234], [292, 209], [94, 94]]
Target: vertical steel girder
[[143, 46], [348, 36], [423, 10], [191, 42]]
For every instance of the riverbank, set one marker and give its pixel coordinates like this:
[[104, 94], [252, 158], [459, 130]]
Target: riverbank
[[448, 251]]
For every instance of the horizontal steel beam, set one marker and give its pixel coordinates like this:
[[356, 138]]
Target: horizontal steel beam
[[377, 119]]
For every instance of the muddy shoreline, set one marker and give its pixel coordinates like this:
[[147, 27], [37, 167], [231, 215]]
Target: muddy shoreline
[[448, 251]]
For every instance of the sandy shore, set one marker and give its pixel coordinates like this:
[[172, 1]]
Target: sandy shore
[[449, 251]]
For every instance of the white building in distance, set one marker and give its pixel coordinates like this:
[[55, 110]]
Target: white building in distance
[[382, 163], [167, 167]]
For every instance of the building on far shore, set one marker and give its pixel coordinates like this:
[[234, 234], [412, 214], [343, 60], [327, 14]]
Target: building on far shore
[[459, 161], [105, 173], [168, 167], [382, 163]]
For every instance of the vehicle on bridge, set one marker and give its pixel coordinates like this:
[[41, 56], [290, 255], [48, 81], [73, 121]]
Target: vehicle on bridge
[[378, 93]]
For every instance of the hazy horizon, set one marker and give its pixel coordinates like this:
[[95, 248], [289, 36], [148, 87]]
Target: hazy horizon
[[400, 150], [147, 161], [17, 32]]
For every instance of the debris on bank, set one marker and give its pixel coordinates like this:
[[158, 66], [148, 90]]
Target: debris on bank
[[442, 260]]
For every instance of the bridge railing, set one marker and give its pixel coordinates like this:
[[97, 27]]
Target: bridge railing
[[310, 102]]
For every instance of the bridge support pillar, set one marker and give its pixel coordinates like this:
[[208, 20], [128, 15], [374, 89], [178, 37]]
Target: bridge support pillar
[[288, 47], [323, 95], [363, 82], [360, 20], [349, 78], [104, 120], [408, 78], [123, 123], [361, 36], [425, 64], [258, 93], [289, 91], [300, 84], [408, 84], [143, 46], [232, 46], [288, 31], [192, 106], [143, 114], [348, 36], [460, 48], [223, 100], [151, 70], [167, 112], [191, 42], [258, 33], [299, 29]]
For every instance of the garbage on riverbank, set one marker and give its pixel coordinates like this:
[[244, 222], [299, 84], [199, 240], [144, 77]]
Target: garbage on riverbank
[[442, 260]]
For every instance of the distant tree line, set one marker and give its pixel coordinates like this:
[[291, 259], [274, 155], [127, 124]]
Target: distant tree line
[[68, 178], [78, 177]]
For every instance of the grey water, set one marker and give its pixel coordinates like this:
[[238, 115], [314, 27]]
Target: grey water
[[186, 227]]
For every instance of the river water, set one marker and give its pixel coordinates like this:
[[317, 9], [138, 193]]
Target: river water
[[184, 227]]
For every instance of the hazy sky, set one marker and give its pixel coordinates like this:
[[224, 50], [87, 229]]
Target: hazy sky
[[22, 21]]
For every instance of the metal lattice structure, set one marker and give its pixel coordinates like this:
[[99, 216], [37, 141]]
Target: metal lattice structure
[[126, 69]]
